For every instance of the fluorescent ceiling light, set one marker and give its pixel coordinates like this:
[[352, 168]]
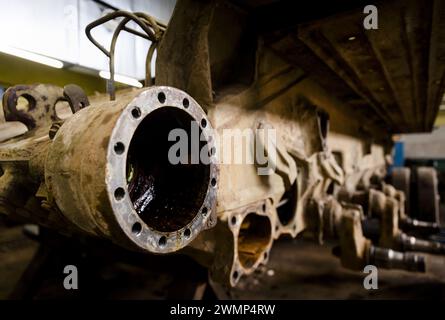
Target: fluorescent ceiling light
[[122, 79], [31, 56]]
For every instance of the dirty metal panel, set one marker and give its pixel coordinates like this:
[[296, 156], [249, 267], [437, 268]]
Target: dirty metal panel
[[294, 51], [393, 75]]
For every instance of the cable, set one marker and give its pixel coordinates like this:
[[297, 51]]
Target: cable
[[153, 30]]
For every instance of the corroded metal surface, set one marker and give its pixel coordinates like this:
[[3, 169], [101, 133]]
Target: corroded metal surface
[[80, 174]]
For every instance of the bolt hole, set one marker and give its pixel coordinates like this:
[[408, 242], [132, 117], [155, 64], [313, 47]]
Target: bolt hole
[[161, 97], [119, 194], [119, 148], [186, 103], [276, 228], [137, 228], [187, 233], [265, 255], [213, 182], [205, 211], [162, 241], [235, 275], [233, 221], [212, 151], [136, 113], [264, 207], [203, 123]]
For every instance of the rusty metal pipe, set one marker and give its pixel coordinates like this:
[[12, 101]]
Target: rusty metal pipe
[[410, 243], [390, 259], [107, 172], [409, 224]]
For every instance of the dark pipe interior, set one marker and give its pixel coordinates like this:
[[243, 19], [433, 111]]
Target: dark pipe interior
[[166, 196]]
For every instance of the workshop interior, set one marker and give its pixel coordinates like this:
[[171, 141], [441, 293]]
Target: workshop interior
[[222, 149]]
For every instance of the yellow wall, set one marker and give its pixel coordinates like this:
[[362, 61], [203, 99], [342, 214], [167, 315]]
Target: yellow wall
[[440, 120], [15, 71]]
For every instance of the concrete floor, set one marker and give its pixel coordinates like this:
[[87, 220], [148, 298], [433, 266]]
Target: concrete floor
[[16, 251], [296, 270], [303, 270]]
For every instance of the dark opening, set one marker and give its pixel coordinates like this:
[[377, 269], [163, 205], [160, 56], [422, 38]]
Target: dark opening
[[254, 236], [165, 196], [119, 193], [136, 113], [332, 188], [161, 97], [137, 228], [286, 211], [323, 123], [119, 148]]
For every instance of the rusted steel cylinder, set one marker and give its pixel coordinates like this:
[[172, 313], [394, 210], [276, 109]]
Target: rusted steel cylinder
[[108, 171]]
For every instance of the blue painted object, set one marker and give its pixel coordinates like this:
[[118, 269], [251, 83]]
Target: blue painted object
[[399, 154]]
